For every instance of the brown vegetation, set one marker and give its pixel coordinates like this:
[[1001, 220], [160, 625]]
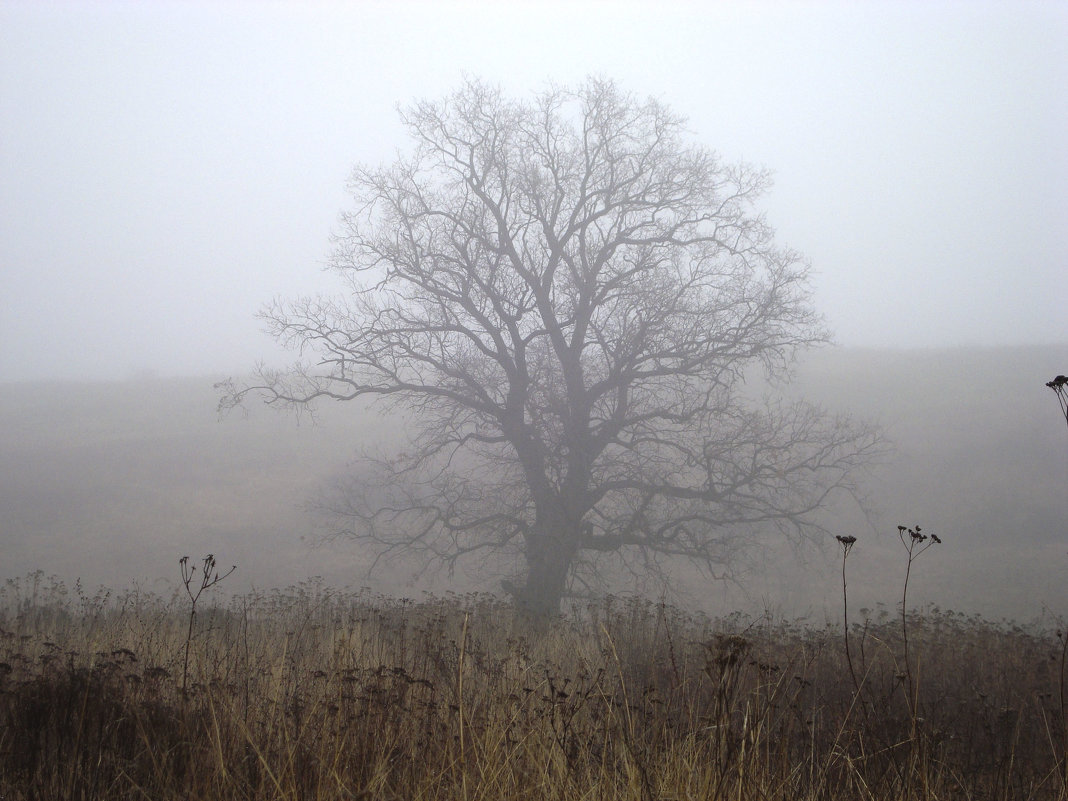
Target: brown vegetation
[[310, 693]]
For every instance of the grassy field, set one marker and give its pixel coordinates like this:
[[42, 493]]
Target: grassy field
[[112, 482], [312, 694]]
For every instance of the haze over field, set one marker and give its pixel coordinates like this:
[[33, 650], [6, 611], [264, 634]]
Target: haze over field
[[167, 168], [113, 482]]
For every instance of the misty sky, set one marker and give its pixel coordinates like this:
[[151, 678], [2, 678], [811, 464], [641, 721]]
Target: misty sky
[[165, 169]]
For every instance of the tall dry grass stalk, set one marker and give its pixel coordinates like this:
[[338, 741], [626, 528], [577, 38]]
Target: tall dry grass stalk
[[314, 694]]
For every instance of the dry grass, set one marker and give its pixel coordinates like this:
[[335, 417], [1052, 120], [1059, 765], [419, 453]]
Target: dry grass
[[313, 694]]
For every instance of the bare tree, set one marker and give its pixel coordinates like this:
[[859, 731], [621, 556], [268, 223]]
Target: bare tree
[[563, 295]]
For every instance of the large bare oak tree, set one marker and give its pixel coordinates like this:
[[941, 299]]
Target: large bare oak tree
[[564, 296]]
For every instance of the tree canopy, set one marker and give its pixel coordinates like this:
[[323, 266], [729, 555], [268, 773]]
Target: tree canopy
[[564, 296]]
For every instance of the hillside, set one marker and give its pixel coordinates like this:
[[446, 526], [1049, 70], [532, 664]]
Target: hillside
[[112, 482]]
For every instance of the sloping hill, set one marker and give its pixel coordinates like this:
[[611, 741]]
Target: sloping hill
[[113, 482], [981, 458]]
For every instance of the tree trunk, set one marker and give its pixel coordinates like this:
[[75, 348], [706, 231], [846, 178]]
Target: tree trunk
[[549, 552]]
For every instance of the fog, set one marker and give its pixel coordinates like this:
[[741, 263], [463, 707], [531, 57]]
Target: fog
[[113, 482], [167, 168]]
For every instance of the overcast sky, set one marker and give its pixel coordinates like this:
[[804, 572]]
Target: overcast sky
[[165, 169]]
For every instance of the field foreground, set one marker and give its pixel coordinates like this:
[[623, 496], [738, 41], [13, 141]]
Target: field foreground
[[316, 694]]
